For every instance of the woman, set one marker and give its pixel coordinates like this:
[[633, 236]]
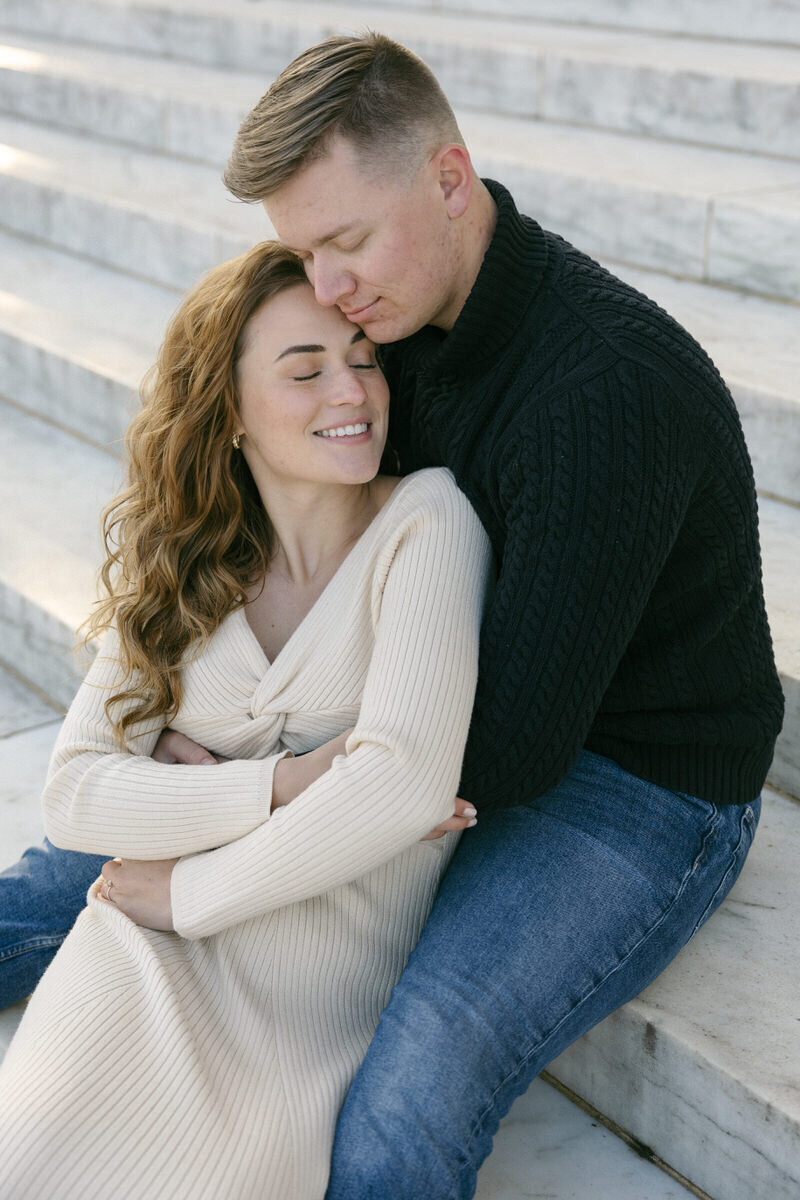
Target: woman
[[270, 593]]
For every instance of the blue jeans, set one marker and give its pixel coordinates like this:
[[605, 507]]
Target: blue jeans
[[40, 897], [550, 916]]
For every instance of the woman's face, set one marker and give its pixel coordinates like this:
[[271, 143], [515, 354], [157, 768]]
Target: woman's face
[[313, 403]]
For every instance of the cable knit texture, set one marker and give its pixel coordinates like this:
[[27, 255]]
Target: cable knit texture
[[215, 1064], [605, 458]]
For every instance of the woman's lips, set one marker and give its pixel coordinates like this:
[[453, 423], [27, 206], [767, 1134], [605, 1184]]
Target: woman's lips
[[349, 439]]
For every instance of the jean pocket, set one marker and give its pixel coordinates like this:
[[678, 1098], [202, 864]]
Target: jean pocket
[[747, 824]]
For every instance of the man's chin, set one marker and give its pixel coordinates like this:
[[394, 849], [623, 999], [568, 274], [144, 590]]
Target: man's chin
[[383, 330]]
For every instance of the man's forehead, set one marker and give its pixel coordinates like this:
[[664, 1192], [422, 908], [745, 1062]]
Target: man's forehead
[[326, 199]]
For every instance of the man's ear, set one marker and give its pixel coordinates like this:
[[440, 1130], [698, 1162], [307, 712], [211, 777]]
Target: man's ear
[[456, 178]]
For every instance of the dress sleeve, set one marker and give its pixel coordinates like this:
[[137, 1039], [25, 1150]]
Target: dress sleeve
[[594, 507], [399, 776], [100, 800]]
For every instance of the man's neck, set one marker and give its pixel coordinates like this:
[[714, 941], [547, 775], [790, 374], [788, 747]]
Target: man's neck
[[475, 233]]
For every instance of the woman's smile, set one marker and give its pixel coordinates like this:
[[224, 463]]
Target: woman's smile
[[357, 431]]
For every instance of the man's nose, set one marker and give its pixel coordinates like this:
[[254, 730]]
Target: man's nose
[[330, 283]]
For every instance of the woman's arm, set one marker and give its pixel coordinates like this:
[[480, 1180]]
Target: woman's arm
[[100, 800], [400, 774]]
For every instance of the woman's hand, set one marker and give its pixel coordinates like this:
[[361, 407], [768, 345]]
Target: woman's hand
[[140, 889], [173, 747], [464, 817]]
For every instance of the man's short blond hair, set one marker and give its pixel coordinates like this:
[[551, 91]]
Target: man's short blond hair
[[370, 90]]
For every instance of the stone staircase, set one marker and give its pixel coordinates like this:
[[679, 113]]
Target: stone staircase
[[632, 128]]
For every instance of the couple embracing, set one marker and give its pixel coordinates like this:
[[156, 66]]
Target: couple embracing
[[425, 732]]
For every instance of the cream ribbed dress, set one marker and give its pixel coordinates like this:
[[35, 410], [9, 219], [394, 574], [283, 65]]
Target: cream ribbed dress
[[211, 1063]]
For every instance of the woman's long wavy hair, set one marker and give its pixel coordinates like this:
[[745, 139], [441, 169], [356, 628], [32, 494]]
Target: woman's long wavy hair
[[189, 532]]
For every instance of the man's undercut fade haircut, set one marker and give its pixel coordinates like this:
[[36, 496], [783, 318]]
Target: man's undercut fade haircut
[[369, 90]]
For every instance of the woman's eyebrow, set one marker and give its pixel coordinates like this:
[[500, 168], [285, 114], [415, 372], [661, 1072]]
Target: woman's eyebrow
[[300, 350], [358, 336]]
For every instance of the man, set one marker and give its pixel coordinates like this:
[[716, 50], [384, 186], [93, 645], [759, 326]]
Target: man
[[628, 702]]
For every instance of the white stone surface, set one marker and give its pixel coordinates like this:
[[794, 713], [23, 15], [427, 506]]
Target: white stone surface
[[729, 94], [75, 338], [639, 201], [52, 487], [702, 1067], [24, 756], [767, 21], [736, 95], [152, 216], [754, 241], [780, 545], [20, 710], [182, 109], [548, 1147]]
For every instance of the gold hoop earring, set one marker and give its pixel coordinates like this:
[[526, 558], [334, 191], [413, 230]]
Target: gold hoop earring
[[236, 441]]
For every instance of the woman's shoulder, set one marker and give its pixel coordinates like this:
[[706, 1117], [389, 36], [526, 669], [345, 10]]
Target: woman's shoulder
[[431, 496], [433, 487]]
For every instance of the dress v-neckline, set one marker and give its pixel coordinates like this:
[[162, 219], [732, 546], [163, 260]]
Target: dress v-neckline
[[348, 558]]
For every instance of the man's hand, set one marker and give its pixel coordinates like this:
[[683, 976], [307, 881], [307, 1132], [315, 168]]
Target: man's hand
[[464, 817], [173, 747], [140, 889]]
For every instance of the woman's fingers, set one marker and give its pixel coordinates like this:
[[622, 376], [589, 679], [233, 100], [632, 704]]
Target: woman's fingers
[[173, 747], [464, 817], [108, 877]]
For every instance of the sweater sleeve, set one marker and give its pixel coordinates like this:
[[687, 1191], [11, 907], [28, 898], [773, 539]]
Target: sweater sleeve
[[102, 801], [594, 505], [398, 778]]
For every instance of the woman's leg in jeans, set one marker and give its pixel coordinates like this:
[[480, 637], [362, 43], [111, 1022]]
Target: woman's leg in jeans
[[40, 897], [550, 916]]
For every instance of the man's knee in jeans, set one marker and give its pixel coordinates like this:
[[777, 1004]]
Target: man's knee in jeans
[[40, 898]]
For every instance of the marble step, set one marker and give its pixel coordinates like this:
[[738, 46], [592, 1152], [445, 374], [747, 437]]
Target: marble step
[[158, 218], [177, 108], [715, 92], [52, 486], [702, 1066], [768, 21], [779, 527], [545, 1141], [76, 339], [707, 215]]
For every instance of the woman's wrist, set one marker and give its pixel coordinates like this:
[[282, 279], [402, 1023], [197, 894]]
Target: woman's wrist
[[292, 776]]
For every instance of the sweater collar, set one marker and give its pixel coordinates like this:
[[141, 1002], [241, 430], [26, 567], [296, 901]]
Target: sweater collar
[[509, 278]]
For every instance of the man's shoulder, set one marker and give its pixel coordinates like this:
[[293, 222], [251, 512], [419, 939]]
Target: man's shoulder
[[633, 327]]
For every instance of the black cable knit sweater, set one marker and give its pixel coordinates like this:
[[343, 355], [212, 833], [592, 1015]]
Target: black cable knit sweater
[[605, 458]]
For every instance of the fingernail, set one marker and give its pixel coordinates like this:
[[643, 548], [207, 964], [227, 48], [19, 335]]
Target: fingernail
[[471, 823], [469, 811]]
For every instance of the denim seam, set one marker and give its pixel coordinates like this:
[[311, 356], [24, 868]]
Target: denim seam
[[642, 940], [33, 944], [748, 819]]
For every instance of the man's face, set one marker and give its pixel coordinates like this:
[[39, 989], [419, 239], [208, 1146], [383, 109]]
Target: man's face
[[380, 249]]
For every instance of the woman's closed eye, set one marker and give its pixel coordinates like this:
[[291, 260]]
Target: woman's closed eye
[[358, 366]]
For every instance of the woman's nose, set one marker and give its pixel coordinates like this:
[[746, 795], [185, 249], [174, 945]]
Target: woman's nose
[[350, 389]]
